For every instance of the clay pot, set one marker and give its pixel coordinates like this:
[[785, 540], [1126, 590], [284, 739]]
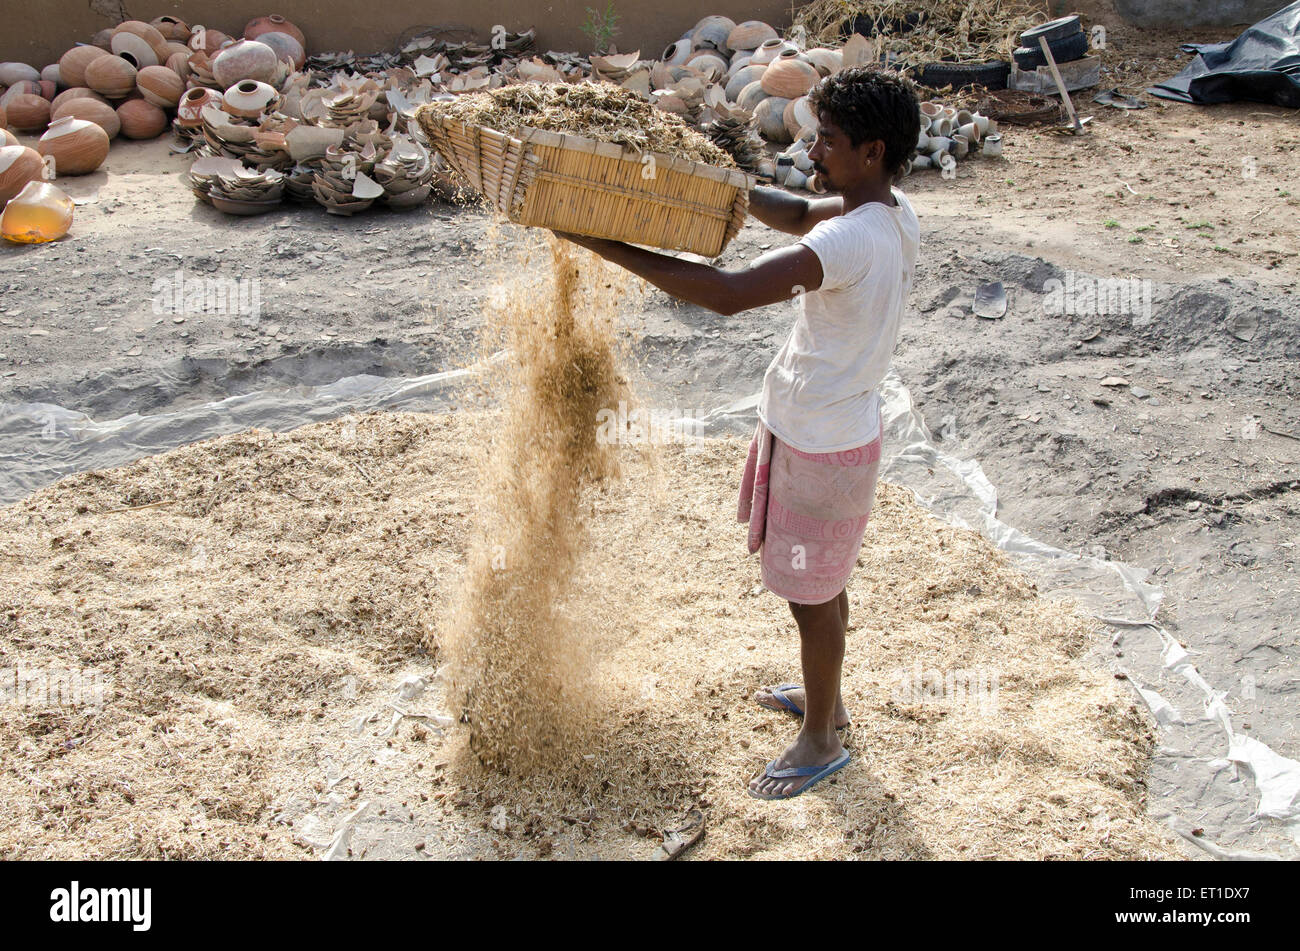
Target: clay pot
[[171, 48], [150, 34], [136, 47], [7, 137], [750, 35], [141, 119], [274, 23], [18, 166], [286, 48], [246, 59], [4, 118], [249, 99], [28, 113], [826, 61], [73, 63], [208, 41], [742, 78], [769, 117], [712, 34], [789, 77], [77, 92], [189, 112], [77, 146], [677, 53], [39, 213], [111, 76], [171, 28], [739, 61], [94, 110], [160, 85], [707, 61], [51, 74], [25, 88], [799, 116], [179, 64], [751, 96], [11, 74]]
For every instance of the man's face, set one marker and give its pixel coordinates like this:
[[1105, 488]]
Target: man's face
[[837, 162]]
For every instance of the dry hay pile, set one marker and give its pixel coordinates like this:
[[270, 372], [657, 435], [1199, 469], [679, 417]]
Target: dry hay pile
[[947, 29], [596, 110], [329, 555]]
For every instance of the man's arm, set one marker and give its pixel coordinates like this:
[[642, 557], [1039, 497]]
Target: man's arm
[[776, 276], [789, 213]]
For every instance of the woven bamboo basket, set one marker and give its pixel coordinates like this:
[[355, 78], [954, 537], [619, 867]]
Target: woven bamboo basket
[[575, 184]]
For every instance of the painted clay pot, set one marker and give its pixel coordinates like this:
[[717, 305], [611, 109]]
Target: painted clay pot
[[92, 110], [288, 49], [160, 85], [189, 113], [742, 78], [246, 59], [78, 147], [789, 77], [18, 166], [39, 213], [141, 119], [111, 76], [77, 92], [750, 35], [134, 49], [769, 117], [73, 63], [25, 88], [249, 99], [751, 96], [51, 74], [171, 28], [179, 64], [151, 36], [8, 138], [28, 113], [274, 23], [11, 74]]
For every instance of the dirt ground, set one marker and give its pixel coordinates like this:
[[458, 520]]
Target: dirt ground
[[1189, 467]]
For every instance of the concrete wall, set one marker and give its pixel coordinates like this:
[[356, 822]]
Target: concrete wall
[[39, 31], [1192, 13]]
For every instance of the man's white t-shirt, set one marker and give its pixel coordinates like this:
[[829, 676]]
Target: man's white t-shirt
[[821, 392]]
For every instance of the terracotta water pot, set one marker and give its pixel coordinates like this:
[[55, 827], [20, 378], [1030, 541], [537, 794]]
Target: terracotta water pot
[[769, 116], [189, 112], [160, 85], [50, 74], [789, 77], [13, 73], [273, 23], [141, 119], [751, 96], [136, 48], [750, 35], [73, 63], [677, 53], [246, 59], [151, 35], [249, 99], [76, 92], [180, 64], [288, 49], [8, 138], [77, 146], [171, 28], [28, 112], [111, 76], [18, 166], [208, 41], [93, 110], [742, 78]]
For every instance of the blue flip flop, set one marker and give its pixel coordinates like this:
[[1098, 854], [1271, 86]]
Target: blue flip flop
[[779, 693], [818, 773]]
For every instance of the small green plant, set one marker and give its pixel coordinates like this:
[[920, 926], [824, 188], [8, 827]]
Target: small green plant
[[1111, 223], [601, 27], [1147, 228], [1136, 239], [1200, 225]]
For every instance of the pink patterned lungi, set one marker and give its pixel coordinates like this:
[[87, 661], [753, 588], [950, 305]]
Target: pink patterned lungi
[[808, 513]]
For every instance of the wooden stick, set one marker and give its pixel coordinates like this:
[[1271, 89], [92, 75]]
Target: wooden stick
[[1060, 84]]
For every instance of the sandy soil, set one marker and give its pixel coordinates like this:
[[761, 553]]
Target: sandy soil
[[1189, 468]]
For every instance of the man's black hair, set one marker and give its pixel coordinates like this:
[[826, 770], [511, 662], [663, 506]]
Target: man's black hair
[[869, 103]]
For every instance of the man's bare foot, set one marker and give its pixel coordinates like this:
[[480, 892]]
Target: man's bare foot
[[766, 698], [806, 750]]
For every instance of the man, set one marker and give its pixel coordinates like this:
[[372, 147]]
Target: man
[[811, 474]]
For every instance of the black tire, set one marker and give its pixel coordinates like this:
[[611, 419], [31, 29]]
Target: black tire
[[1055, 30], [991, 75], [866, 25], [1063, 51]]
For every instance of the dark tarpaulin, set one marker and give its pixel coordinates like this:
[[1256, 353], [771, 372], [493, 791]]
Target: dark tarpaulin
[[1262, 65]]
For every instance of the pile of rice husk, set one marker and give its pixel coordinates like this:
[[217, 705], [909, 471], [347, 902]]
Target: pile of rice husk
[[946, 30], [600, 111], [253, 600]]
